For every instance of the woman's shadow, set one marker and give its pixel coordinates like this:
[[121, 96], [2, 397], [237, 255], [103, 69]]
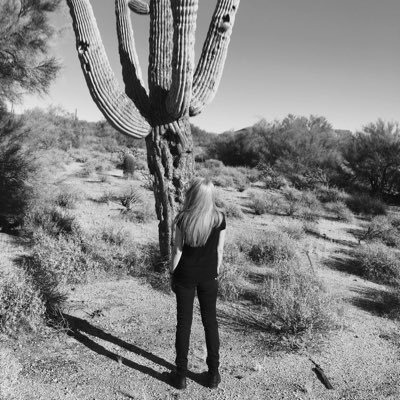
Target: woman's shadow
[[78, 328]]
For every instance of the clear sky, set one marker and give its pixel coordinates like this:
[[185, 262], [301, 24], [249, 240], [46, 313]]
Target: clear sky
[[336, 58]]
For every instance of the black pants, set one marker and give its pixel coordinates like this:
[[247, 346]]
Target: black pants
[[207, 294]]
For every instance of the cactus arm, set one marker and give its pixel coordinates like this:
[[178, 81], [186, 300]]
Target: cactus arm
[[160, 54], [139, 7], [211, 63], [184, 16], [115, 105], [131, 72]]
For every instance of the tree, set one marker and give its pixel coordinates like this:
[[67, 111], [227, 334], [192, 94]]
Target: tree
[[24, 67], [24, 46], [176, 90], [374, 157]]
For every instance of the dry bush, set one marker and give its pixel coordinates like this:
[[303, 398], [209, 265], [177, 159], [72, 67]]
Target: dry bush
[[296, 301], [232, 276], [233, 211], [67, 197], [327, 194], [270, 248], [107, 197], [294, 229], [263, 203], [21, 306], [377, 262], [303, 205], [385, 229], [52, 219], [114, 235], [340, 210], [214, 165], [362, 203], [259, 203], [62, 256], [88, 169], [142, 214], [231, 280], [223, 181]]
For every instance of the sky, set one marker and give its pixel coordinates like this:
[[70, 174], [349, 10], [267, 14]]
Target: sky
[[335, 58]]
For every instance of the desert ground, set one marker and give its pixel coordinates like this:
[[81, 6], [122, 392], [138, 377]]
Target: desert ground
[[118, 339]]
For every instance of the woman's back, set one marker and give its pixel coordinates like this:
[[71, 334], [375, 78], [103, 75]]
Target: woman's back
[[199, 264]]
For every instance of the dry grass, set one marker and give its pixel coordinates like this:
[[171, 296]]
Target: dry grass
[[21, 306], [377, 262], [296, 301]]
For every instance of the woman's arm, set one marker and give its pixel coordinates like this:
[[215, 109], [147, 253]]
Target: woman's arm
[[220, 249], [177, 250]]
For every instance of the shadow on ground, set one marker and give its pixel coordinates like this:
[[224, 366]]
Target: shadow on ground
[[80, 329], [380, 302]]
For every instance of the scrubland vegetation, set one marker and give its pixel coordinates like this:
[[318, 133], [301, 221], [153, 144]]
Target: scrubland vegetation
[[297, 170]]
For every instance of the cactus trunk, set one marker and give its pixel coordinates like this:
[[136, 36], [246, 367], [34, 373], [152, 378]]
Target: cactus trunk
[[171, 162], [175, 90]]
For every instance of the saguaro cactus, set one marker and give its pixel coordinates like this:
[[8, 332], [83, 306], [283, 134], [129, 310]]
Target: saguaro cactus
[[176, 89]]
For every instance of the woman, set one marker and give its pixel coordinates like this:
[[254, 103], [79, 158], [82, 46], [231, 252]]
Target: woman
[[195, 264]]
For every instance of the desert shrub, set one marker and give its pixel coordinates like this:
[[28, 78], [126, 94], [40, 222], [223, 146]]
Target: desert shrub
[[293, 199], [52, 219], [271, 247], [340, 210], [61, 259], [362, 203], [385, 229], [271, 178], [114, 234], [297, 301], [106, 197], [88, 169], [231, 281], [327, 194], [214, 165], [21, 306], [377, 262], [79, 155], [234, 211], [67, 198], [259, 204], [303, 205], [18, 169], [130, 198], [223, 181], [294, 229], [143, 213]]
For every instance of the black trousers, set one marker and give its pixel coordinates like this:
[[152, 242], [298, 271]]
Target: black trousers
[[207, 295]]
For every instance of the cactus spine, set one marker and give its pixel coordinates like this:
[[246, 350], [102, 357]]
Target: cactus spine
[[176, 89]]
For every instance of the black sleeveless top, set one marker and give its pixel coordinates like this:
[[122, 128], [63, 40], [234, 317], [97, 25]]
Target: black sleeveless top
[[199, 264]]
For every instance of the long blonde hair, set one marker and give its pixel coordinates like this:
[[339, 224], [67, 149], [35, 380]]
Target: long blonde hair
[[199, 214]]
